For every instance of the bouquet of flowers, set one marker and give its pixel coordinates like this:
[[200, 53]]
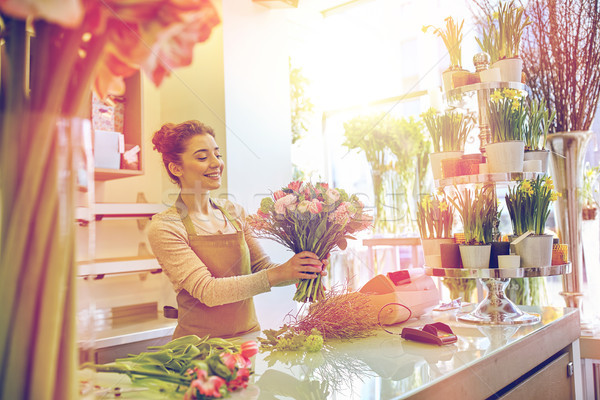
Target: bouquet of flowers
[[310, 217], [528, 204], [435, 217]]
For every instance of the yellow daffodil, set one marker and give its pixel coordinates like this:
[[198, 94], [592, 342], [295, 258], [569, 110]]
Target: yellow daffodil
[[516, 104], [530, 192], [554, 196], [496, 96], [443, 206], [495, 15], [526, 186]]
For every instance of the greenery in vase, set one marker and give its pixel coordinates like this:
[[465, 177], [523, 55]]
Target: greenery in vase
[[507, 115], [589, 189], [477, 209], [452, 37], [461, 287], [528, 204], [411, 148], [535, 130], [435, 217], [448, 131], [502, 31]]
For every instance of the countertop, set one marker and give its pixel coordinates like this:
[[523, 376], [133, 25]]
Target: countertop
[[483, 360]]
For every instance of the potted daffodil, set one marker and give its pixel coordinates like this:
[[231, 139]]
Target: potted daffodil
[[535, 132], [434, 218]]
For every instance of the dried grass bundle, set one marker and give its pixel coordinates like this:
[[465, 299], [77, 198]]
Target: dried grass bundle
[[340, 315]]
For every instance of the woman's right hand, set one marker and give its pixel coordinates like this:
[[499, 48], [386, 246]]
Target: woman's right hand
[[304, 265]]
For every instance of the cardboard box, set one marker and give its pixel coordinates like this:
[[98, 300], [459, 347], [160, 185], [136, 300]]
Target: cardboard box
[[108, 146]]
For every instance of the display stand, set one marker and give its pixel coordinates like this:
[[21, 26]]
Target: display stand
[[497, 309]]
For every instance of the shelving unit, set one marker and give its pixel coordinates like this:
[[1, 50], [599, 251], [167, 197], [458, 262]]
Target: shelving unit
[[121, 265], [500, 177]]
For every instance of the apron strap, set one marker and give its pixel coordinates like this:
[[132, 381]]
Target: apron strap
[[187, 221]]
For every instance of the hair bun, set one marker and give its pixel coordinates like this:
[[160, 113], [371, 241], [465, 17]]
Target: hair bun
[[160, 140]]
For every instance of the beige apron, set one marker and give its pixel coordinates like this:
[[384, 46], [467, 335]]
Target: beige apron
[[224, 255]]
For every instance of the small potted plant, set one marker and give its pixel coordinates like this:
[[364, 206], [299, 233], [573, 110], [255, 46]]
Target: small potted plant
[[449, 133], [452, 37], [535, 132], [477, 210], [588, 192], [507, 115], [528, 205], [501, 39], [434, 218]]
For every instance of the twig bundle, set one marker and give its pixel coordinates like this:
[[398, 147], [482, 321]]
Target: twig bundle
[[340, 316]]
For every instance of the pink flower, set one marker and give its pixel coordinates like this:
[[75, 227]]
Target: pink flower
[[315, 206], [323, 185], [208, 387], [249, 348], [240, 381], [278, 195], [295, 186], [229, 361], [303, 206], [287, 202], [331, 196], [341, 215]]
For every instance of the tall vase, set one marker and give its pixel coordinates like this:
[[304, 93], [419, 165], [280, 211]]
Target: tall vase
[[37, 253], [379, 220], [568, 151]]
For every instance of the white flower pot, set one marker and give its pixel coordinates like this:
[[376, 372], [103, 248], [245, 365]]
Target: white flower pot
[[436, 161], [505, 156], [490, 75], [542, 155], [535, 251], [475, 256], [432, 252], [532, 165], [510, 69]]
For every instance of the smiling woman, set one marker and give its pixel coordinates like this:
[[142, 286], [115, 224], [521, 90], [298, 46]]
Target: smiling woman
[[205, 246]]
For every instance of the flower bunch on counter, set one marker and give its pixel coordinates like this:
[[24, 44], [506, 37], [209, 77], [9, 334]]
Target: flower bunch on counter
[[310, 217], [208, 367], [435, 216], [528, 204]]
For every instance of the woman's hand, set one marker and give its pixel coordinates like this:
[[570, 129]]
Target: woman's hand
[[304, 265]]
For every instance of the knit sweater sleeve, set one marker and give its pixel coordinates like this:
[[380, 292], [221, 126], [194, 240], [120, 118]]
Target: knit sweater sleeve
[[170, 244]]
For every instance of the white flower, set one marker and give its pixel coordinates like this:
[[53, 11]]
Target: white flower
[[332, 196]]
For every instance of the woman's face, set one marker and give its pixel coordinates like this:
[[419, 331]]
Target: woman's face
[[201, 164]]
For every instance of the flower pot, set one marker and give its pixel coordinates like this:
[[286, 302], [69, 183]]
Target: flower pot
[[490, 75], [589, 214], [535, 251], [509, 261], [450, 167], [505, 156], [475, 256], [468, 166], [532, 166], [436, 161], [498, 249], [450, 255], [432, 251], [460, 78], [510, 69], [542, 155]]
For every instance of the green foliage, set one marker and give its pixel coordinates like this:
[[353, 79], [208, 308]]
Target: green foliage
[[477, 209], [590, 185], [435, 217], [289, 339], [448, 131], [452, 37], [528, 204], [539, 120], [301, 105], [507, 115]]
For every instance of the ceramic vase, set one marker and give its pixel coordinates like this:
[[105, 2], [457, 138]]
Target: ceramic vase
[[510, 69], [432, 251], [542, 155], [475, 256], [505, 156], [436, 161], [535, 251]]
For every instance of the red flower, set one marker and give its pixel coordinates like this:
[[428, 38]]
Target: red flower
[[295, 186], [323, 185], [262, 214], [315, 206], [279, 194], [249, 348], [208, 387], [241, 380]]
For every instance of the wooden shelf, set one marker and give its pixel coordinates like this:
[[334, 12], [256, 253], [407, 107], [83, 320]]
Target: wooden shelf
[[118, 210], [120, 265], [105, 174]]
